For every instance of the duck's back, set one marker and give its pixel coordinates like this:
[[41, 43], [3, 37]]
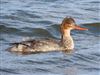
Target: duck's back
[[39, 45]]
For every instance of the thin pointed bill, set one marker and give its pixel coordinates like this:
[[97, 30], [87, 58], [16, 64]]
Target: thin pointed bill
[[80, 28]]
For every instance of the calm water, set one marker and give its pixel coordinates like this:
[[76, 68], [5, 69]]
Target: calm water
[[41, 18]]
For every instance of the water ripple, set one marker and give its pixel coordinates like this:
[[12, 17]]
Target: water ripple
[[41, 18], [12, 71]]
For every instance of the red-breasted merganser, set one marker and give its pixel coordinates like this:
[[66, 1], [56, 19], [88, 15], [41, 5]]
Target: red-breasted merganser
[[45, 45]]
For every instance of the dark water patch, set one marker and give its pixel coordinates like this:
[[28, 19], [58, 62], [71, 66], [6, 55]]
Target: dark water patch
[[84, 58], [93, 28], [34, 62], [11, 17], [95, 57], [95, 2], [42, 70], [54, 29], [55, 26], [91, 69], [81, 65], [33, 70], [50, 62], [30, 62], [48, 0], [12, 71], [43, 22], [67, 60], [5, 29], [4, 24], [37, 32], [25, 31], [3, 2], [96, 54], [89, 9], [2, 39]]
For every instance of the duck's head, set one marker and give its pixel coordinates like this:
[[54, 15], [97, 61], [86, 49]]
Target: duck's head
[[68, 23]]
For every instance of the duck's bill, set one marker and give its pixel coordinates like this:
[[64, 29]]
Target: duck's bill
[[80, 28]]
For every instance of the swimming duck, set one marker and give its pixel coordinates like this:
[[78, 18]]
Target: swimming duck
[[44, 45]]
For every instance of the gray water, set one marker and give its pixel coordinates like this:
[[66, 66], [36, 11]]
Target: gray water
[[41, 18]]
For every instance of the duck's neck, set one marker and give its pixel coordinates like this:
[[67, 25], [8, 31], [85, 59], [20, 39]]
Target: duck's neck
[[67, 40]]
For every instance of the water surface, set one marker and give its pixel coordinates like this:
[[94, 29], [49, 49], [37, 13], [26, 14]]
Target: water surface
[[41, 18]]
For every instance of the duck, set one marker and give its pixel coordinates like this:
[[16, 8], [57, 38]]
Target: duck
[[66, 42]]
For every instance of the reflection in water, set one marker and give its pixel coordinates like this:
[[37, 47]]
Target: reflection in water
[[71, 70]]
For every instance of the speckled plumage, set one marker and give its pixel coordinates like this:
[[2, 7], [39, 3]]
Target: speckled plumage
[[44, 45]]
